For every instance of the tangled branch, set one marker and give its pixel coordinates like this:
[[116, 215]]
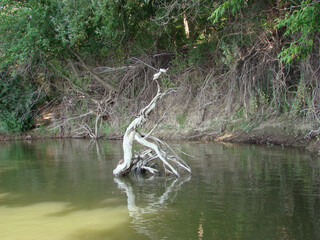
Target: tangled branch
[[141, 162]]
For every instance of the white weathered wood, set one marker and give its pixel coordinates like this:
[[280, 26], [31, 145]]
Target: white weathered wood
[[154, 147], [131, 134]]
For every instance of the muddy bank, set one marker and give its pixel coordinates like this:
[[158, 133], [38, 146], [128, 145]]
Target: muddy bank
[[272, 132]]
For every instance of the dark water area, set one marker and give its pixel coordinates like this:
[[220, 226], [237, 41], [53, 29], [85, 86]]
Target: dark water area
[[65, 190]]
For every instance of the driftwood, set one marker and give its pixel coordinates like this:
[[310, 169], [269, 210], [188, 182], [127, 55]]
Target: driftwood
[[156, 149]]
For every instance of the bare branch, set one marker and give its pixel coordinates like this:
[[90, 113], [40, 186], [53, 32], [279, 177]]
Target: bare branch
[[142, 161]]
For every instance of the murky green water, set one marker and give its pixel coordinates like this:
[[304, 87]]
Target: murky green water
[[65, 190]]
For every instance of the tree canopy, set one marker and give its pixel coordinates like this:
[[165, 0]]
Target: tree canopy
[[39, 36]]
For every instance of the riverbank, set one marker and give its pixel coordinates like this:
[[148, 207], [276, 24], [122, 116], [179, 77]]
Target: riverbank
[[271, 132], [238, 72]]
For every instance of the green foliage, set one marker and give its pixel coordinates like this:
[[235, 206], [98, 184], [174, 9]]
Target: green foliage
[[42, 129], [239, 113], [40, 36], [167, 83], [25, 31], [264, 98], [200, 54], [181, 119], [247, 126], [230, 53], [50, 28], [123, 125], [302, 23], [302, 100], [107, 129], [179, 63], [230, 6], [18, 103]]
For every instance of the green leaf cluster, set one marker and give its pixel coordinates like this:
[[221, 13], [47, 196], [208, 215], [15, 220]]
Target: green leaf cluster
[[48, 29], [299, 19], [40, 38], [230, 6], [18, 103], [302, 22], [26, 31]]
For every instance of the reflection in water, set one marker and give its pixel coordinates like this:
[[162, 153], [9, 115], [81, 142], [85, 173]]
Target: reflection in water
[[60, 190], [158, 204], [66, 190], [200, 232], [256, 192]]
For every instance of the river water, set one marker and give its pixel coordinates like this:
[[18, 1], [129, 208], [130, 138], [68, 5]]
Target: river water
[[54, 190]]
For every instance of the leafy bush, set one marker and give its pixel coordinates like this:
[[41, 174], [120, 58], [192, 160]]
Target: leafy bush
[[18, 102], [302, 23], [233, 6]]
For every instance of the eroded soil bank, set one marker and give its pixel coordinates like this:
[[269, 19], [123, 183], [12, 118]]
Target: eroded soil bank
[[270, 132]]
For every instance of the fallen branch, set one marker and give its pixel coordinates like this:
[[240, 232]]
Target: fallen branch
[[141, 162]]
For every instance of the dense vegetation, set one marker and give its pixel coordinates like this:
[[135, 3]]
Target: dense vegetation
[[84, 62]]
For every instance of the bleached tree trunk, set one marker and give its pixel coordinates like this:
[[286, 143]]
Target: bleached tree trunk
[[171, 163]]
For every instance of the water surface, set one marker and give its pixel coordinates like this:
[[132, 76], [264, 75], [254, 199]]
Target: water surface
[[65, 190]]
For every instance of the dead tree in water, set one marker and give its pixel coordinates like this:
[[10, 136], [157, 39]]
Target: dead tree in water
[[156, 149]]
